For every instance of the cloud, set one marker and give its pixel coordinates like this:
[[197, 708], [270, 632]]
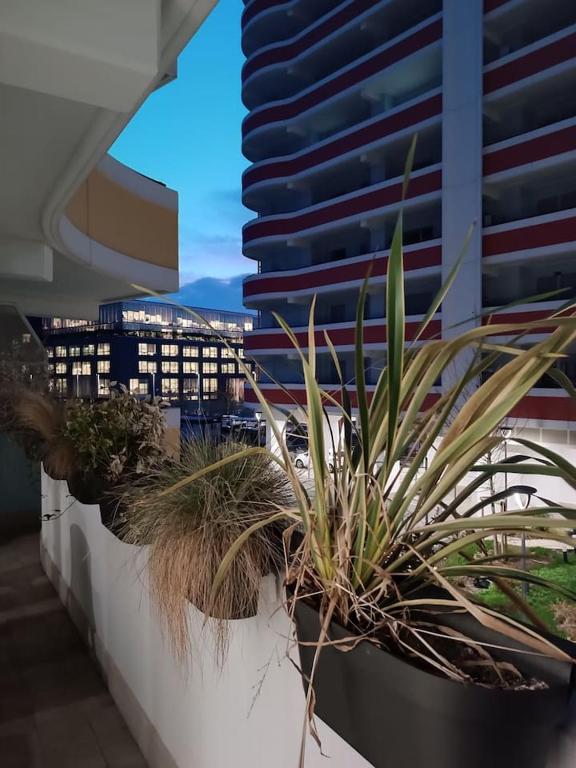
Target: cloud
[[212, 293]]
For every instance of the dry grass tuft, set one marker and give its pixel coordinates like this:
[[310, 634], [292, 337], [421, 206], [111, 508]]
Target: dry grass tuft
[[191, 529], [565, 615], [45, 418]]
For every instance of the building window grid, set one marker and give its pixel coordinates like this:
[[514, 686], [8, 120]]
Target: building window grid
[[147, 366], [209, 368], [210, 352], [146, 349], [170, 386], [170, 366], [188, 351], [88, 349], [189, 367], [169, 350], [104, 350], [103, 366]]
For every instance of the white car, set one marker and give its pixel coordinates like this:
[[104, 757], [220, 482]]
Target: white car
[[302, 460]]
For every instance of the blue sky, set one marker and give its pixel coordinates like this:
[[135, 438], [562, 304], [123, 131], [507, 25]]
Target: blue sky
[[188, 135]]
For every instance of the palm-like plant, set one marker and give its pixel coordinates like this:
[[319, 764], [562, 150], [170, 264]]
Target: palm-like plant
[[377, 537]]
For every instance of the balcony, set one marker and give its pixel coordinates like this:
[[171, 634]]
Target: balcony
[[377, 82], [351, 30], [371, 152], [369, 205], [531, 238], [269, 21]]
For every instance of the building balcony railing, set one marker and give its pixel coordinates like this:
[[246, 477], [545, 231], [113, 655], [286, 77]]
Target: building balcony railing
[[531, 237], [348, 78], [368, 203]]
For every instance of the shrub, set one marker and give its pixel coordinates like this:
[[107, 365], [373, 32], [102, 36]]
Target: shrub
[[191, 525]]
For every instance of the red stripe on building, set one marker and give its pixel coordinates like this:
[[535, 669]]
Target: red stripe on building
[[340, 337], [258, 7], [530, 151], [341, 82], [362, 203], [490, 5], [354, 140], [525, 66], [289, 51], [526, 317], [549, 408], [298, 396], [424, 257], [535, 236]]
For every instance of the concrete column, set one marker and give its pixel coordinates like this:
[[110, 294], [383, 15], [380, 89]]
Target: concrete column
[[462, 165]]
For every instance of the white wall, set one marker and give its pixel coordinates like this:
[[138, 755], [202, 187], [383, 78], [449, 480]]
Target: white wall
[[205, 719]]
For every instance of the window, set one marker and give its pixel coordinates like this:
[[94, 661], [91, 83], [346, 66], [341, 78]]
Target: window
[[169, 386], [190, 367], [83, 368], [51, 368], [169, 350], [88, 349], [61, 352], [188, 351], [190, 387], [248, 324], [61, 368], [139, 386], [103, 350], [103, 387], [240, 351], [209, 385], [60, 386], [147, 366], [210, 352], [50, 351], [169, 366], [209, 367], [103, 366], [227, 367], [228, 353], [74, 352], [146, 349]]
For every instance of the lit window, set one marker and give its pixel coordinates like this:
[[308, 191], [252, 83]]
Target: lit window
[[169, 366], [61, 368], [61, 386], [103, 366], [103, 387], [81, 368], [227, 352], [169, 386], [209, 385], [170, 350], [209, 367], [50, 367], [188, 351], [228, 368], [248, 324], [210, 352], [103, 350], [190, 386], [146, 349], [50, 352], [61, 352], [190, 367], [139, 386], [88, 349], [146, 366], [74, 352]]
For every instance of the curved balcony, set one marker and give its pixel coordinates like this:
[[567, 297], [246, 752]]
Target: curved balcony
[[551, 233], [530, 150], [491, 5], [372, 202], [545, 408], [413, 116], [266, 21], [348, 273], [532, 61], [274, 341], [124, 224], [347, 79], [343, 35]]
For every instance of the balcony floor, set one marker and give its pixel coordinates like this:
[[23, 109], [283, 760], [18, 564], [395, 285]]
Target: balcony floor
[[55, 710]]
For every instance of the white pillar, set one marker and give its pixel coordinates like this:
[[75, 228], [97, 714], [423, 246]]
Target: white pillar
[[462, 164]]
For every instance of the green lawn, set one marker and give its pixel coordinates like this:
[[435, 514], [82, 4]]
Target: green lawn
[[541, 600]]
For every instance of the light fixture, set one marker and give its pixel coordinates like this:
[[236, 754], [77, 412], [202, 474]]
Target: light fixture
[[505, 432]]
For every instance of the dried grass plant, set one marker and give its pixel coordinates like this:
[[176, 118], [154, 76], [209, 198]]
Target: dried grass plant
[[190, 529], [38, 414]]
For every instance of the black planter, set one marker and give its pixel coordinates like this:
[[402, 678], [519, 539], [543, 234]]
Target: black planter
[[86, 487], [399, 716]]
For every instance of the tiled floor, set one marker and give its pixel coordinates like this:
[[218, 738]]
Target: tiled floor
[[55, 711]]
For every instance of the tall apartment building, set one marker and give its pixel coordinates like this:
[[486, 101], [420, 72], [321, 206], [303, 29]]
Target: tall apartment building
[[151, 348], [335, 92]]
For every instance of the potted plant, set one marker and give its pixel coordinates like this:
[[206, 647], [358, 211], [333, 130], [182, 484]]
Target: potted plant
[[400, 659], [189, 526], [115, 439]]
